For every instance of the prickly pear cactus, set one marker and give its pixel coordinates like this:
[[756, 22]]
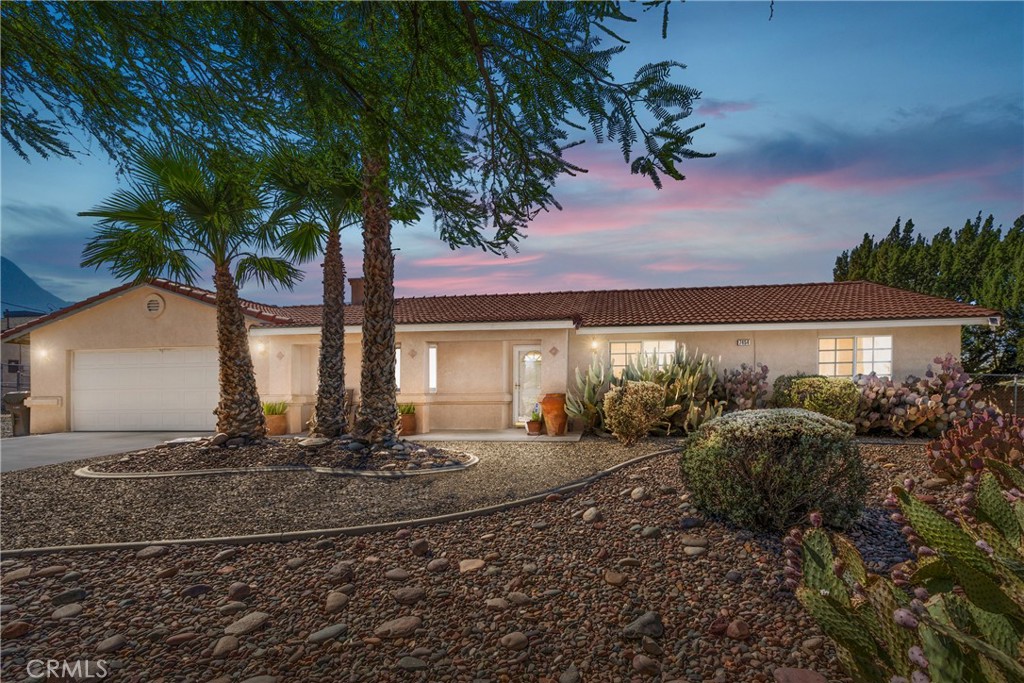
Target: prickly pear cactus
[[926, 406], [987, 435], [745, 387], [955, 615]]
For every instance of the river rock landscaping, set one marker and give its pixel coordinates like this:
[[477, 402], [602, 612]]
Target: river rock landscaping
[[622, 581], [343, 453]]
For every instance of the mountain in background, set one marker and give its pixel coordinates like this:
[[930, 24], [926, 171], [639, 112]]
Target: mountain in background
[[19, 292]]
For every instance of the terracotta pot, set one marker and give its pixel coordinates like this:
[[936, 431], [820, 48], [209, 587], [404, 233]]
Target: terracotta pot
[[533, 427], [553, 407], [408, 426], [277, 425]]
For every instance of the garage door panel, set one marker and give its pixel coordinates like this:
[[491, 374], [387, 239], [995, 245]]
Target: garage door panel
[[144, 389]]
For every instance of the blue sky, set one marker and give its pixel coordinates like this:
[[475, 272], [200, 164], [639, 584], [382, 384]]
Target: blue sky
[[829, 121]]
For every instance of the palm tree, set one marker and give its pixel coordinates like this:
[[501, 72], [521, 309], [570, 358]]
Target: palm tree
[[179, 205], [319, 191]]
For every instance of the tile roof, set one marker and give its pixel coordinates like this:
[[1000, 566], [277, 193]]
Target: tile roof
[[751, 304], [748, 304]]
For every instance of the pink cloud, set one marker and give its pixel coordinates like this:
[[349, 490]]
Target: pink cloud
[[687, 267], [477, 260], [719, 109]]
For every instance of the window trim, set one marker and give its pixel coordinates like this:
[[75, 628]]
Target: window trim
[[856, 349], [432, 368]]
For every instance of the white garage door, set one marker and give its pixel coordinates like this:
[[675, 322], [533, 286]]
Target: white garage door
[[144, 389]]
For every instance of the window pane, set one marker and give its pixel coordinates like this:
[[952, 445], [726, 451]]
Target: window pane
[[826, 344], [845, 343], [826, 356], [844, 356], [398, 368], [844, 370], [883, 369], [883, 356], [432, 367], [827, 369]]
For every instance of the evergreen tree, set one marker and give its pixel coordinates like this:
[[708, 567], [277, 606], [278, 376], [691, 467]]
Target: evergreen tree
[[977, 264]]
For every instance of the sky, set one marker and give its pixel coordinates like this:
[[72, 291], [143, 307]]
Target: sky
[[828, 121]]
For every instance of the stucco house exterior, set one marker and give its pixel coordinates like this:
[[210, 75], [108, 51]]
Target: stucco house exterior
[[142, 357]]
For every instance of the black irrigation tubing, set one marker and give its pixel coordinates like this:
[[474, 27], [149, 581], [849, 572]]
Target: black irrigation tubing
[[288, 536]]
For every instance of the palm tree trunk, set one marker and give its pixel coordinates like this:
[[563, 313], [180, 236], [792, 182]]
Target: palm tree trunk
[[239, 412], [378, 409], [330, 419]]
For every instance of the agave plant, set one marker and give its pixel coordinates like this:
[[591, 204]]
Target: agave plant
[[587, 401]]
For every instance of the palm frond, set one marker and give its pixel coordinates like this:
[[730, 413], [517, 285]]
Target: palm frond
[[267, 270]]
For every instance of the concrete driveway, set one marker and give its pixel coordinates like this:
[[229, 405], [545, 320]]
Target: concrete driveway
[[22, 452]]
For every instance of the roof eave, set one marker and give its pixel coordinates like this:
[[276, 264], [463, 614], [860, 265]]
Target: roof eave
[[792, 325]]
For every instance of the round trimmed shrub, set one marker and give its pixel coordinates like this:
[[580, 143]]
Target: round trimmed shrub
[[781, 387], [769, 469], [630, 411], [836, 397]]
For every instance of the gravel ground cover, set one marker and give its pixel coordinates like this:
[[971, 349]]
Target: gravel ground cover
[[48, 505], [621, 581], [344, 453]]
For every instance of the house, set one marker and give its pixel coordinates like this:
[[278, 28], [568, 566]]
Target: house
[[142, 357], [14, 359]]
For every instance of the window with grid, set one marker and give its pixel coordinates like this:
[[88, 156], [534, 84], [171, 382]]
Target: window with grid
[[852, 356], [622, 353]]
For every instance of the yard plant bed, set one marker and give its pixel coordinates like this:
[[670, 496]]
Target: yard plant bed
[[343, 453], [48, 506], [622, 580]]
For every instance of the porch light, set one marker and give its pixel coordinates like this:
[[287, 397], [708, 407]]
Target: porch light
[[593, 345], [260, 347]]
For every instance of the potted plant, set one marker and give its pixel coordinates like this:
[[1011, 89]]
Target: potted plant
[[535, 422], [407, 415], [277, 420]]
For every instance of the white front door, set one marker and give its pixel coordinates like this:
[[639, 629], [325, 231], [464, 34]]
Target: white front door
[[144, 389], [526, 382]]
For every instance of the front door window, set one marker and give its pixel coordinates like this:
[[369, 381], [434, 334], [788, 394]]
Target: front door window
[[527, 382]]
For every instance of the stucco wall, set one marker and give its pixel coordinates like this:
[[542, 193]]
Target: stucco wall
[[118, 323], [786, 352], [474, 373], [475, 367]]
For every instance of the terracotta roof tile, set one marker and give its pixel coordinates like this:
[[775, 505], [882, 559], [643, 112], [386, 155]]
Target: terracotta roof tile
[[751, 304], [818, 302]]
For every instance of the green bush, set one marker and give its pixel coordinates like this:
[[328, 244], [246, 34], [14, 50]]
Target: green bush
[[835, 397], [689, 385], [631, 410], [781, 387], [768, 469]]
